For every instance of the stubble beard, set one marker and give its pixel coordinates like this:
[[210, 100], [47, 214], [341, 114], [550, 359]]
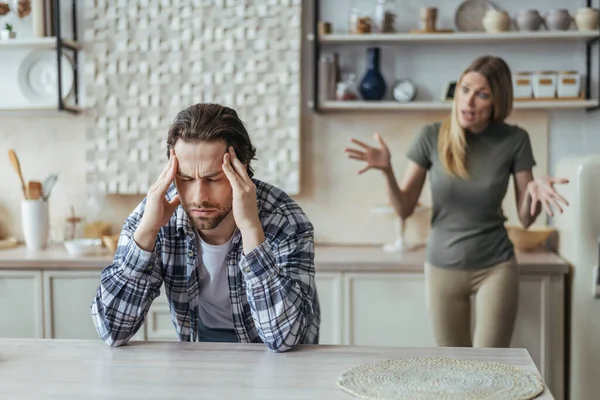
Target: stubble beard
[[209, 223]]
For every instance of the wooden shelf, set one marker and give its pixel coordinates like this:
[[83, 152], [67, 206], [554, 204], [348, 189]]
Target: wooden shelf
[[440, 106], [45, 110], [37, 43], [482, 37]]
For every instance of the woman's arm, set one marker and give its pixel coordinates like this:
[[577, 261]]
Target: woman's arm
[[533, 194], [404, 198], [527, 216]]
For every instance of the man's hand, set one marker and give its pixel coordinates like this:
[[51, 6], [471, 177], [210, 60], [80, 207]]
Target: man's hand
[[158, 209], [245, 209]]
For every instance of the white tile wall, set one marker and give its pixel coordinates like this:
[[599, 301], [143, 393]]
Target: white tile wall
[[147, 60]]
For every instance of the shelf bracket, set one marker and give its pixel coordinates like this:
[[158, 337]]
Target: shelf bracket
[[316, 54], [588, 68], [60, 45]]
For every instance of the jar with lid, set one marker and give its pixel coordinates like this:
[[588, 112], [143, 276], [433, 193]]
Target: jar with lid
[[346, 88], [384, 16], [96, 221], [360, 21]]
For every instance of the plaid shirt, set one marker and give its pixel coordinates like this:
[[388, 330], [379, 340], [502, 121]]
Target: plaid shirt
[[272, 288]]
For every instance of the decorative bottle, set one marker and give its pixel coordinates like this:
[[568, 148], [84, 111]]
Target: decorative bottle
[[372, 86]]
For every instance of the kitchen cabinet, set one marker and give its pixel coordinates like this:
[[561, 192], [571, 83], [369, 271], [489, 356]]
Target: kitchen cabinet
[[367, 298], [21, 304], [389, 309], [67, 299]]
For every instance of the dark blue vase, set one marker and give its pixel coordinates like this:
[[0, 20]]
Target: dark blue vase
[[372, 86]]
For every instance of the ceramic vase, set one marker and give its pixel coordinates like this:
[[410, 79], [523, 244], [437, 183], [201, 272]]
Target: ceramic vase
[[372, 85], [558, 20], [587, 19], [496, 21], [529, 20]]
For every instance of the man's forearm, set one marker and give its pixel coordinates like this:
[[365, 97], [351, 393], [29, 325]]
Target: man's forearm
[[252, 237], [127, 287], [282, 303], [145, 238]]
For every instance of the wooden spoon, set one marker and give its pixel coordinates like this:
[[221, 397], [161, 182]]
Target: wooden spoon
[[34, 190], [14, 160]]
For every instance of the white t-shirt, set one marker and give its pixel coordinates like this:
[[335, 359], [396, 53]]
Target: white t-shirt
[[215, 305]]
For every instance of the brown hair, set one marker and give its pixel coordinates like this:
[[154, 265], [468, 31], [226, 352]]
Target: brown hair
[[212, 122], [452, 140]]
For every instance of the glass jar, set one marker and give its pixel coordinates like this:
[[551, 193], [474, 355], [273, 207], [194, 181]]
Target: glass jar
[[346, 88], [96, 222], [359, 21], [384, 16], [4, 8], [22, 8]]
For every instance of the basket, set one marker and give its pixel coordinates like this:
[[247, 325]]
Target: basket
[[529, 239]]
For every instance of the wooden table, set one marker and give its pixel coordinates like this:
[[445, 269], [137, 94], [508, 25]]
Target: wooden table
[[84, 369]]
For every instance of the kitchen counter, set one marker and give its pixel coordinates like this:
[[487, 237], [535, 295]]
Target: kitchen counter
[[328, 258], [44, 369]]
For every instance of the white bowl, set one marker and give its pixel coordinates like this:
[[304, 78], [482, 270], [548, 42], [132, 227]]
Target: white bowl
[[83, 247]]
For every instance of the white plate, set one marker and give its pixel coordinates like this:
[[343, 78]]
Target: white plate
[[469, 14], [38, 77]]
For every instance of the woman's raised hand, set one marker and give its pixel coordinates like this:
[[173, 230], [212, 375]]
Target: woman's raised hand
[[374, 157]]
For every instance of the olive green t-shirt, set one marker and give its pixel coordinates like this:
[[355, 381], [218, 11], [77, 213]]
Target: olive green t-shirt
[[467, 223]]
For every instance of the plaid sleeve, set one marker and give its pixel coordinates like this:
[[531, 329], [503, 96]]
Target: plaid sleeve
[[281, 289], [127, 287]]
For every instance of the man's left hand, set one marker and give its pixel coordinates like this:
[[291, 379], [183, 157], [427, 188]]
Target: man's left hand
[[245, 209]]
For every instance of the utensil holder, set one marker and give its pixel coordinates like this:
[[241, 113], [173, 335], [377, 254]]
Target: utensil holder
[[35, 223]]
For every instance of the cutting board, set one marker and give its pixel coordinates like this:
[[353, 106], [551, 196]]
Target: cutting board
[[8, 243]]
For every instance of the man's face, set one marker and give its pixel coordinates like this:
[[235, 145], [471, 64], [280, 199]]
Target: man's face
[[204, 190]]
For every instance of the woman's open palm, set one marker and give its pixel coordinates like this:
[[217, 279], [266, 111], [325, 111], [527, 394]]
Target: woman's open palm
[[542, 191], [375, 157]]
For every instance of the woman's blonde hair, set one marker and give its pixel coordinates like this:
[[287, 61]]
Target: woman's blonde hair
[[452, 140]]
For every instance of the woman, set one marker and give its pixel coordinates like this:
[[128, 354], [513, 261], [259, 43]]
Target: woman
[[470, 157]]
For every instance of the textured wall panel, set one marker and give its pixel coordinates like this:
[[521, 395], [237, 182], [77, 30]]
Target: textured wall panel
[[148, 59]]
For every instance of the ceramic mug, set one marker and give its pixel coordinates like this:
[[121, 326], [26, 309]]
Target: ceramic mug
[[35, 222]]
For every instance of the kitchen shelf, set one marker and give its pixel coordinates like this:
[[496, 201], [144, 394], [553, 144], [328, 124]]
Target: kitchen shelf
[[68, 107], [468, 37], [60, 45], [45, 43], [589, 38], [439, 105]]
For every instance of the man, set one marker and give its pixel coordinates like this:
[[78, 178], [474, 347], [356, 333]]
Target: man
[[236, 254]]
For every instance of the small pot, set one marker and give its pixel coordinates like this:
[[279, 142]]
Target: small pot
[[558, 20], [6, 34], [529, 20], [496, 21], [587, 19]]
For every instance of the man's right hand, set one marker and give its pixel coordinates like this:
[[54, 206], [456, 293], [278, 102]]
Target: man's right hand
[[158, 209]]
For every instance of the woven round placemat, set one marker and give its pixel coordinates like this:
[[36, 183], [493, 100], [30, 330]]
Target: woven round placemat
[[426, 378]]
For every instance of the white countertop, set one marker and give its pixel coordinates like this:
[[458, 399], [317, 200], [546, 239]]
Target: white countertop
[[328, 258], [89, 369]]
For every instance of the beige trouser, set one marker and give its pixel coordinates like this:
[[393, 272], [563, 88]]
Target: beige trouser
[[448, 294]]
